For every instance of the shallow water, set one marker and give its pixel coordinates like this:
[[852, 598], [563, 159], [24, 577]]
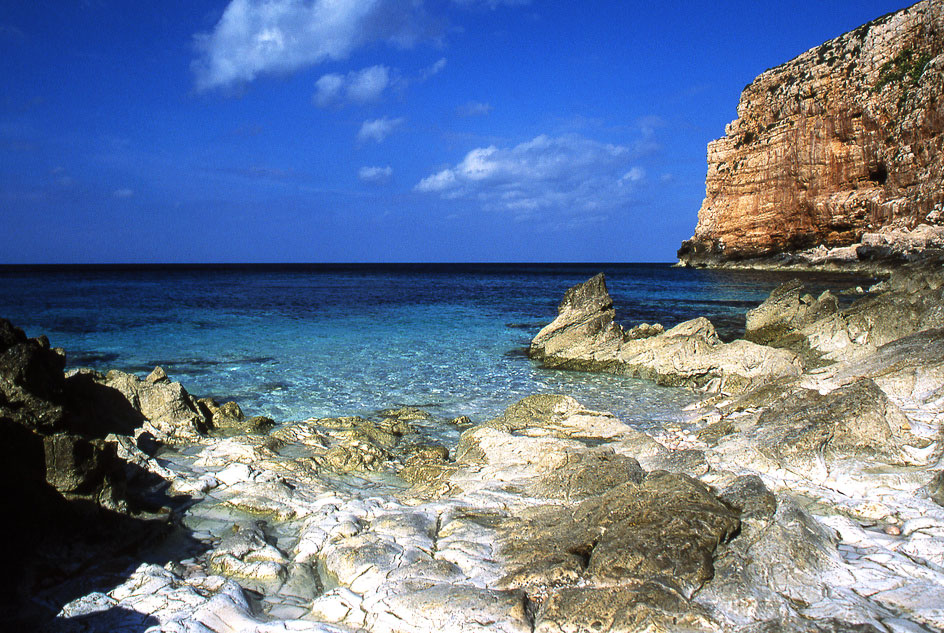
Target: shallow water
[[293, 342]]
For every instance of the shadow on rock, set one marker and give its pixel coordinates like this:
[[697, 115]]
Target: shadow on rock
[[59, 549], [78, 517]]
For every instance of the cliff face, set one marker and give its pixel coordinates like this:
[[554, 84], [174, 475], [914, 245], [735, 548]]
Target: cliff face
[[842, 143]]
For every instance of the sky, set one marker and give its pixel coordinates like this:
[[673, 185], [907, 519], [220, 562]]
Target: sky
[[374, 130]]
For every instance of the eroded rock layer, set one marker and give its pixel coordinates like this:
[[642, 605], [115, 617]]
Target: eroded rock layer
[[841, 146]]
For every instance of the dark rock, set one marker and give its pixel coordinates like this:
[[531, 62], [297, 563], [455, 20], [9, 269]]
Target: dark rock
[[805, 427], [10, 335], [664, 529], [588, 474], [935, 488], [646, 606], [32, 384], [750, 497], [76, 464], [99, 409]]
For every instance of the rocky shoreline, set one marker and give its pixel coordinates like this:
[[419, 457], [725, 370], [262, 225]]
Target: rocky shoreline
[[802, 493]]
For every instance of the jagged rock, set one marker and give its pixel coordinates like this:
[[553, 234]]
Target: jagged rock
[[157, 375], [910, 302], [583, 330], [644, 330], [31, 381], [843, 141], [172, 414], [691, 354], [585, 337], [787, 310], [780, 556], [228, 418], [462, 422]]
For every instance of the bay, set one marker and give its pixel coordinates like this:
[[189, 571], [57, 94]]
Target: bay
[[299, 341]]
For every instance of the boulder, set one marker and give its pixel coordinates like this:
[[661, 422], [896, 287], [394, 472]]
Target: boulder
[[806, 430], [782, 317], [665, 529], [31, 381], [691, 354], [585, 337], [909, 302]]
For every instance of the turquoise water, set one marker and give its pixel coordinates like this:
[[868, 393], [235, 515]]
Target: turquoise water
[[292, 342]]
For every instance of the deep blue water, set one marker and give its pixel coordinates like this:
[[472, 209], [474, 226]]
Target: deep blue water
[[298, 341]]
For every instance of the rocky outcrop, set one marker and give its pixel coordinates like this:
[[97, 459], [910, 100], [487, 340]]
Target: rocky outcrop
[[585, 337], [841, 147], [909, 301], [806, 502], [81, 492], [553, 517], [70, 500]]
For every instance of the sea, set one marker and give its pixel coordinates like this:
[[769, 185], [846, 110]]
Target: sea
[[298, 341]]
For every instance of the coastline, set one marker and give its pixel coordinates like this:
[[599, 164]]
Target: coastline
[[552, 516]]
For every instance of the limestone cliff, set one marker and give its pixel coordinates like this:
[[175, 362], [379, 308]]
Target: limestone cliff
[[840, 147]]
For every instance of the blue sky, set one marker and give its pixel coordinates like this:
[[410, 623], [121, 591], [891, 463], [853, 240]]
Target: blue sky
[[374, 130]]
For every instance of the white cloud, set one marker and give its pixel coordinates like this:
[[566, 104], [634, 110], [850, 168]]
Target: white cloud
[[362, 86], [571, 173], [328, 89], [474, 108], [368, 84], [378, 129], [633, 175], [255, 37], [435, 69], [123, 193], [375, 175]]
